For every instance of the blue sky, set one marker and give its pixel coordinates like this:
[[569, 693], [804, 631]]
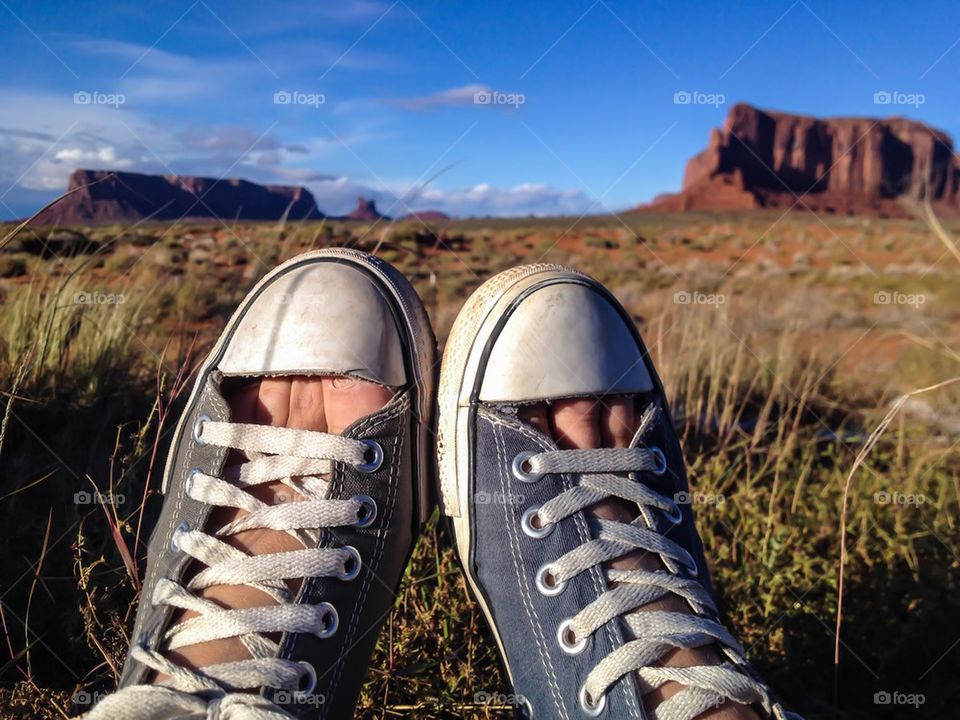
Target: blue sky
[[385, 96]]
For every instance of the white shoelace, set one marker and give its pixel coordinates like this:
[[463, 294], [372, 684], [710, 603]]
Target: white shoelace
[[601, 475], [297, 458]]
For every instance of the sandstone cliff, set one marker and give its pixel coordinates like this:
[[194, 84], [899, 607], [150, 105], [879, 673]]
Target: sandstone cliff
[[845, 165], [121, 197]]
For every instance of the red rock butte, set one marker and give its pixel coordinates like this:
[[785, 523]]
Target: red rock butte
[[365, 210], [101, 196], [425, 216], [849, 165]]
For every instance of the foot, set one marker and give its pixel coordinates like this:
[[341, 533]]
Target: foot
[[612, 422], [323, 404], [591, 575], [295, 486]]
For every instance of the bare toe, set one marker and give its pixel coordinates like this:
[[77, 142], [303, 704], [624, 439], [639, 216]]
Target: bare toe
[[576, 423], [537, 415], [347, 399], [323, 404]]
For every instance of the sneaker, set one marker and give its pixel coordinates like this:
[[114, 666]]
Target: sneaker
[[568, 625], [331, 312]]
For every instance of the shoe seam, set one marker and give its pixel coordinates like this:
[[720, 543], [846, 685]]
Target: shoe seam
[[388, 517], [580, 524], [521, 580]]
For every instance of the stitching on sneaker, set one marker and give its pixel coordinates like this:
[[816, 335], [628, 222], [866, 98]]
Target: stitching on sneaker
[[393, 482], [521, 579], [599, 584]]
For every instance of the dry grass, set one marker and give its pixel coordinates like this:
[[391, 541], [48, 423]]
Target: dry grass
[[775, 389]]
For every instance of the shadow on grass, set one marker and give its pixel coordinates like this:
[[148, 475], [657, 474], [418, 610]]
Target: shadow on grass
[[67, 597]]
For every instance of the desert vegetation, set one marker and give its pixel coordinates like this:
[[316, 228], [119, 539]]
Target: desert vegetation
[[783, 342]]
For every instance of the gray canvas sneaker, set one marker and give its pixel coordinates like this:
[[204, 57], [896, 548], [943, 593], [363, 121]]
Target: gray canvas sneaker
[[568, 627], [331, 312]]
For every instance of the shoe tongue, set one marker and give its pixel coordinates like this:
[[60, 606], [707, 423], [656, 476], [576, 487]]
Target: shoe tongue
[[666, 483], [647, 421]]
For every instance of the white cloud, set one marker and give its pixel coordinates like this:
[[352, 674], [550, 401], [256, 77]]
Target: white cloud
[[338, 195], [45, 137], [523, 199], [476, 95], [106, 154], [458, 96], [148, 74], [233, 139]]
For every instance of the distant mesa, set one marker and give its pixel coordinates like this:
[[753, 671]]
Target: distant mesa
[[365, 210], [100, 197], [850, 165], [425, 216], [103, 197]]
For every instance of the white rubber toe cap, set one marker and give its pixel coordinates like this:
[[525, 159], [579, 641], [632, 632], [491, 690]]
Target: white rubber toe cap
[[563, 339], [318, 318]]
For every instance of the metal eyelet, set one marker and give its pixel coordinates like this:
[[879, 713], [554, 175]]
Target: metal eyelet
[[589, 706], [373, 457], [674, 515], [330, 621], [525, 709], [198, 428], [311, 676], [661, 459], [526, 523], [367, 512], [570, 648], [549, 589], [351, 568], [188, 483], [518, 470]]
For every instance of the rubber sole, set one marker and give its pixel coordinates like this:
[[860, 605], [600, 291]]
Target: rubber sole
[[459, 385]]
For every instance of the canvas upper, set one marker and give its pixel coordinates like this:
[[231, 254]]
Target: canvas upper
[[332, 312]]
